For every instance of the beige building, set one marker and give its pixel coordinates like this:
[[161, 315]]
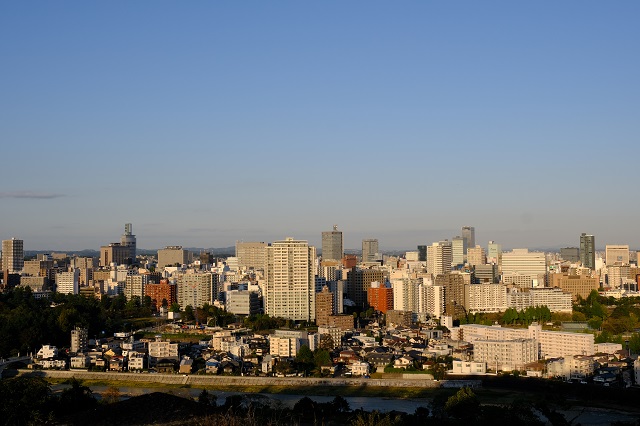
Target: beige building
[[159, 350], [553, 298], [553, 344], [486, 298], [522, 261], [439, 257], [616, 254], [476, 256], [113, 253], [251, 255], [196, 289], [134, 286], [505, 355], [577, 285], [290, 280], [173, 255], [68, 282], [37, 268]]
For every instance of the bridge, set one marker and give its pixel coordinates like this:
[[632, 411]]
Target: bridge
[[17, 361]]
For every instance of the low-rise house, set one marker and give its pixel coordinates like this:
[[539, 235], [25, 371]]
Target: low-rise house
[[82, 362], [468, 367], [379, 360], [116, 363], [47, 352], [53, 363], [359, 368], [165, 366], [212, 366], [404, 362], [186, 365], [135, 361]]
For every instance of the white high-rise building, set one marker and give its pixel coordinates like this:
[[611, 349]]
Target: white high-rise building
[[12, 255], [290, 280], [458, 250], [405, 294], [68, 282], [439, 258], [431, 300], [524, 262]]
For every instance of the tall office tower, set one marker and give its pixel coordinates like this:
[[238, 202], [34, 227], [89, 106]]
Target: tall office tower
[[12, 255], [455, 296], [251, 255], [290, 280], [128, 240], [370, 250], [68, 282], [439, 257], [570, 254], [79, 340], [458, 250], [494, 253], [332, 248], [469, 235], [616, 254], [173, 255], [422, 253], [324, 306], [358, 282], [476, 256], [196, 289], [588, 251]]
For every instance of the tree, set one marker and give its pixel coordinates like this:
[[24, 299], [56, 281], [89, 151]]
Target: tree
[[304, 359], [175, 307], [322, 358], [326, 342], [76, 396], [340, 405], [24, 400], [188, 313], [463, 405]]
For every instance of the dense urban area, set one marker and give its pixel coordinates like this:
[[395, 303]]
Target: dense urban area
[[450, 312]]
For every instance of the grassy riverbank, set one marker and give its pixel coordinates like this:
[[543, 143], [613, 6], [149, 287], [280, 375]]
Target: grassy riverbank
[[356, 391]]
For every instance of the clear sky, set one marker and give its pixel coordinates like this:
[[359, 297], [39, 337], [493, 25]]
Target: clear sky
[[205, 122]]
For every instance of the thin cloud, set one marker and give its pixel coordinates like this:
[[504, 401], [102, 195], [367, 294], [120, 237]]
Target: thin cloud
[[30, 195]]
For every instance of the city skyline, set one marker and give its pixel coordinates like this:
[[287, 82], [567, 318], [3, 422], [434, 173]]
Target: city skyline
[[207, 123]]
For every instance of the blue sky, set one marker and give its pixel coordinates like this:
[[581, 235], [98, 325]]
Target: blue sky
[[207, 122]]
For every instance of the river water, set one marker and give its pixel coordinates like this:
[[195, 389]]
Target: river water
[[588, 416]]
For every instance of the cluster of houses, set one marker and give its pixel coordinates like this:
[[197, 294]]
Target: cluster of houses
[[470, 349]]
